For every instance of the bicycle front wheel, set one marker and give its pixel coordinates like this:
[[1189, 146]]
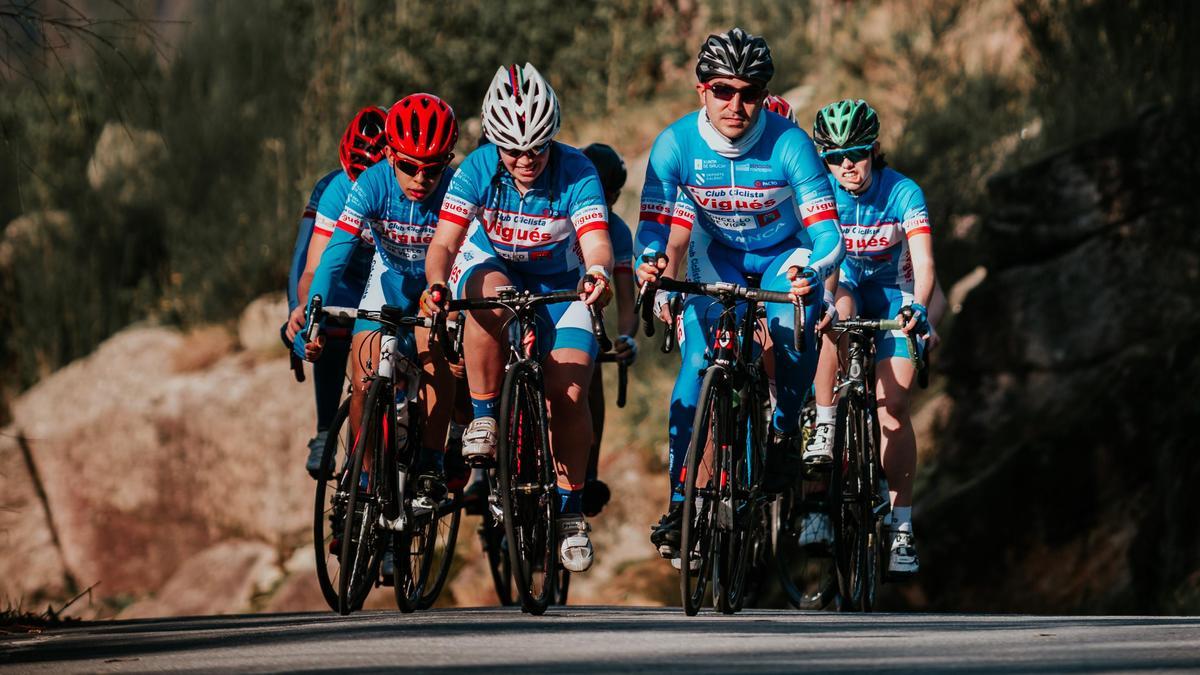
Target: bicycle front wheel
[[699, 493], [495, 546], [443, 544], [854, 519], [329, 511], [361, 543], [527, 487]]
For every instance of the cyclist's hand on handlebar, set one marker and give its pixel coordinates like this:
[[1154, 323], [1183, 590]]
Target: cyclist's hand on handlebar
[[625, 348], [434, 299], [915, 317], [830, 314], [595, 287], [649, 270], [804, 280], [309, 351], [662, 306], [295, 323]]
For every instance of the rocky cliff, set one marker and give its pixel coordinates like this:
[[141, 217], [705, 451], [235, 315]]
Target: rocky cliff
[[1063, 479]]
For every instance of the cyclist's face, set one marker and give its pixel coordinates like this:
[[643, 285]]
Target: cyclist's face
[[420, 184], [731, 116], [854, 176], [527, 166]]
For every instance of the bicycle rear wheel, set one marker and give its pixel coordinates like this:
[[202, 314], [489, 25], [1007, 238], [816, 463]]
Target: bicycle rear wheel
[[361, 542], [329, 511], [746, 459], [527, 487], [495, 547], [803, 564], [699, 513]]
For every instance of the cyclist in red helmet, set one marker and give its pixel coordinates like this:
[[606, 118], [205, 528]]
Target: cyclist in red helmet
[[396, 204], [361, 146]]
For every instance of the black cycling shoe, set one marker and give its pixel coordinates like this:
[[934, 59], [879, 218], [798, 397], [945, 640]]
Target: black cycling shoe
[[475, 497], [595, 495], [783, 463], [666, 535]]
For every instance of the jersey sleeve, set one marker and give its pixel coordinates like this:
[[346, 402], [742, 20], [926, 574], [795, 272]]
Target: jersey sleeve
[[329, 208], [363, 202], [815, 201], [589, 209], [303, 236], [468, 189], [916, 214], [660, 193]]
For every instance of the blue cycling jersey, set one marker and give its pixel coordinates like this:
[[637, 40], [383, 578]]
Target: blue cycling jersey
[[622, 243], [878, 223], [878, 270], [535, 233], [400, 228], [303, 236], [775, 192]]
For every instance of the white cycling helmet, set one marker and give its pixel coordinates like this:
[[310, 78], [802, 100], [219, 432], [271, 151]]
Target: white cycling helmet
[[520, 110]]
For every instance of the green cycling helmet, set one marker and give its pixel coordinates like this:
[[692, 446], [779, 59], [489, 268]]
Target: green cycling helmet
[[845, 124]]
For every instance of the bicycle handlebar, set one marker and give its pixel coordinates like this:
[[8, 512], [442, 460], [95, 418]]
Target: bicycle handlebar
[[622, 374], [884, 325], [723, 290]]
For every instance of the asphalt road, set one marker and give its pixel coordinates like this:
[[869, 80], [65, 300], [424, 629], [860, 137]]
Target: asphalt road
[[598, 639]]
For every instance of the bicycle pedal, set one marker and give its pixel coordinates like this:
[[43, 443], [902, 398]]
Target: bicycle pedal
[[693, 563], [669, 552]]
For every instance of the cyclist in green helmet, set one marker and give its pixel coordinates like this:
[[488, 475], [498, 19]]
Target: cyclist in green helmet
[[888, 268]]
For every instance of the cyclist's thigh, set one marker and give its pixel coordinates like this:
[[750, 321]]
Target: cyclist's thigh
[[881, 301], [893, 385], [372, 298], [563, 325]]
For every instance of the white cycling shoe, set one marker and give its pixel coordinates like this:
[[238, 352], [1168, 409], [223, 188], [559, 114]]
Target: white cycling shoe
[[903, 560], [818, 454], [816, 530], [479, 440], [575, 549]]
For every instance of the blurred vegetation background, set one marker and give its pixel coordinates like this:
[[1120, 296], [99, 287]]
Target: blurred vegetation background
[[156, 155]]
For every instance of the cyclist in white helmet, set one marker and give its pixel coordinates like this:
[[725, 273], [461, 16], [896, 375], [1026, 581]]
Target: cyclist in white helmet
[[527, 211]]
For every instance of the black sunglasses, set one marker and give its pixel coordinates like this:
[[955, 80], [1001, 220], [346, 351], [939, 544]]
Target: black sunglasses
[[724, 92], [855, 154]]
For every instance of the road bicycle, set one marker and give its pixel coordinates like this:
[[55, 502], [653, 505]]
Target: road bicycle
[[723, 501], [368, 513], [858, 490], [524, 482]]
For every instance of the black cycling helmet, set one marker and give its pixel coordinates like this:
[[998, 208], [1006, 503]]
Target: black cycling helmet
[[846, 123], [735, 53], [609, 165]]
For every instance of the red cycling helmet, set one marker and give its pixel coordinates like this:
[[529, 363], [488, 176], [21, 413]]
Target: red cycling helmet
[[422, 126], [779, 106], [362, 144]]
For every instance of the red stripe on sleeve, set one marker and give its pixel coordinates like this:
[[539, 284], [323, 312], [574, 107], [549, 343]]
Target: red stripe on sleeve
[[827, 214], [681, 222], [597, 225], [454, 218], [924, 229], [347, 227], [660, 218]]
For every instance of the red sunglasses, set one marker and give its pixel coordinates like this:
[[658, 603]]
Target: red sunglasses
[[431, 170], [724, 92]]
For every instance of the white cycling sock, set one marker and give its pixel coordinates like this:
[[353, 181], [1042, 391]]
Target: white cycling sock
[[902, 519], [826, 414]]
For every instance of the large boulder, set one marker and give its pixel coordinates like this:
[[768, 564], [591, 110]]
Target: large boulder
[[125, 164], [1064, 476]]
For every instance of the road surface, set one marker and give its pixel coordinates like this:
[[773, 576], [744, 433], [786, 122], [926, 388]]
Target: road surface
[[605, 639]]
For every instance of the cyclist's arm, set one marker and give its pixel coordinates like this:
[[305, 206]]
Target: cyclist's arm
[[920, 245], [459, 206], [589, 216], [316, 248], [814, 196], [303, 241], [660, 192], [343, 235]]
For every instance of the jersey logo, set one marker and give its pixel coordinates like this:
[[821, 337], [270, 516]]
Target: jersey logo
[[769, 217]]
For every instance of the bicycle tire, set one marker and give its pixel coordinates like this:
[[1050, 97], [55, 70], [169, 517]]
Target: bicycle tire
[[873, 558], [853, 513], [414, 547], [361, 550], [698, 524], [745, 479], [527, 487], [447, 536], [329, 507], [491, 540]]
